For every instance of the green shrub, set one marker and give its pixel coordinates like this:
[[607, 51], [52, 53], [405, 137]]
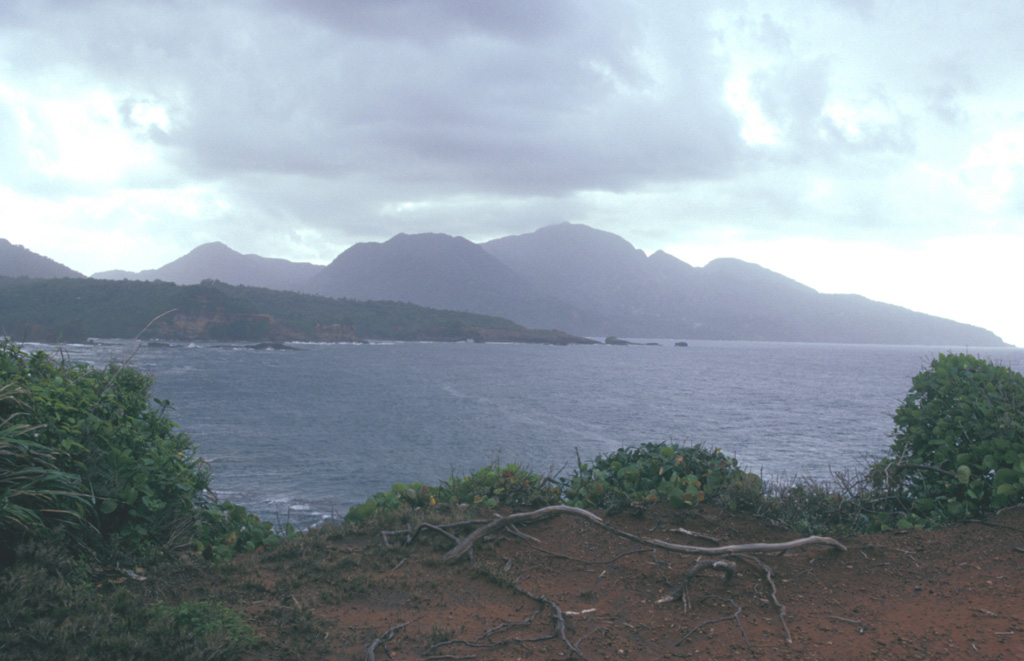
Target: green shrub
[[225, 528], [102, 459], [49, 611], [653, 472], [221, 629], [491, 486], [506, 486], [958, 448], [34, 493]]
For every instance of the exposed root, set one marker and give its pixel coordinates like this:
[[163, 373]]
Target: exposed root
[[768, 576], [698, 535], [726, 567], [485, 639], [716, 562], [371, 649], [735, 617], [464, 547]]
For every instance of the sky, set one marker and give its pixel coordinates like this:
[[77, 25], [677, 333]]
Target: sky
[[862, 147]]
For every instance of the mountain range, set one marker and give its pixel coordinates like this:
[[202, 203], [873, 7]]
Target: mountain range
[[20, 262], [582, 281]]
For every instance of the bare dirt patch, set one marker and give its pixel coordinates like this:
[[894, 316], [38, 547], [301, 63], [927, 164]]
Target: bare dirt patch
[[953, 593]]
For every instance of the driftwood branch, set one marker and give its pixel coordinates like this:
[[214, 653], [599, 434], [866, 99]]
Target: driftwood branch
[[716, 562], [725, 566], [735, 616], [371, 649], [499, 523], [698, 535], [769, 576]]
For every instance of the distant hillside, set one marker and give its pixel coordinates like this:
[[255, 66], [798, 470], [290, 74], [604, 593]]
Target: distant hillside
[[623, 291], [728, 299], [438, 271], [584, 281], [73, 310], [216, 261], [20, 262]]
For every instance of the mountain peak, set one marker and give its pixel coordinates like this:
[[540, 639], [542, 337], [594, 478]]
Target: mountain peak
[[18, 261]]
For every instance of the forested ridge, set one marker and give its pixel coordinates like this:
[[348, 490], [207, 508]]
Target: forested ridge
[[73, 310]]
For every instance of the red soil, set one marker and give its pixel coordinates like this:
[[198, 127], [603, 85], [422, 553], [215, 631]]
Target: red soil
[[944, 594]]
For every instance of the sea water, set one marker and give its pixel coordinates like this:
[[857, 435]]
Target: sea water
[[302, 435]]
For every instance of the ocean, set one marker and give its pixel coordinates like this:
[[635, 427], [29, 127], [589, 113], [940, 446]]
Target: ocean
[[301, 436]]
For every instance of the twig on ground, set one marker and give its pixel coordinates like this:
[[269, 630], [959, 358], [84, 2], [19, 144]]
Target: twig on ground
[[382, 641], [768, 576], [735, 616], [545, 512], [742, 551], [726, 567], [698, 535]]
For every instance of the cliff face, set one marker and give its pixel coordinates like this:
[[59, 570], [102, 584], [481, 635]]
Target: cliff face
[[216, 324]]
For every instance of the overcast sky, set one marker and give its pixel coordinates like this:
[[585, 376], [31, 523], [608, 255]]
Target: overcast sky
[[858, 147]]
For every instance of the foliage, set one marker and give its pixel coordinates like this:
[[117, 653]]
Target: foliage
[[646, 474], [653, 472], [225, 528], [49, 612], [34, 493], [143, 478], [72, 310], [213, 623], [813, 507], [491, 486], [505, 486], [958, 449], [106, 463]]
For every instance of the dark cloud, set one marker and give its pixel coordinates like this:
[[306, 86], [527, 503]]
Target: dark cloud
[[463, 101], [336, 115]]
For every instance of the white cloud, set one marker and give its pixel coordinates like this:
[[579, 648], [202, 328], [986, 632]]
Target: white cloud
[[141, 129]]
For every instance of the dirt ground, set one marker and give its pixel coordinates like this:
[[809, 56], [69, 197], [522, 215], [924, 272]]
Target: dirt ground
[[954, 593]]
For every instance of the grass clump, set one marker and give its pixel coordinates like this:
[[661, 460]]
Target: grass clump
[[51, 612]]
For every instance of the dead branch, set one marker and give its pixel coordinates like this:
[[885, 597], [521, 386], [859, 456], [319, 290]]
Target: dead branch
[[716, 563], [558, 617], [698, 535], [768, 576], [726, 567], [411, 534], [735, 616], [734, 549], [499, 523], [382, 641]]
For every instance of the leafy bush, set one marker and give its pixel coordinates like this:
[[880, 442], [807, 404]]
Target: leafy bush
[[34, 493], [654, 472], [47, 616], [217, 626], [958, 448], [91, 450], [507, 486], [491, 486]]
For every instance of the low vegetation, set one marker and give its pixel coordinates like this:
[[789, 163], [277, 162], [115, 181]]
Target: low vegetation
[[958, 452], [95, 479], [73, 310]]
